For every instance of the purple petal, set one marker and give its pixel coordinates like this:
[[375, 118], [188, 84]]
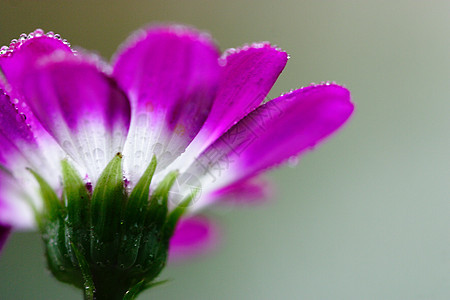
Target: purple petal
[[278, 130], [19, 149], [193, 236], [252, 191], [247, 76], [23, 54], [15, 210], [20, 59], [171, 76], [16, 138], [4, 233], [81, 107]]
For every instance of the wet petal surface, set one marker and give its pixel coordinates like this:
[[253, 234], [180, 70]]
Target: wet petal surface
[[81, 107], [248, 74], [278, 130], [171, 76]]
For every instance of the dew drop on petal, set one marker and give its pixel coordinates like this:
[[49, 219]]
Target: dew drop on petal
[[87, 155], [138, 154], [98, 153], [142, 119], [293, 161], [67, 145], [38, 32], [23, 37]]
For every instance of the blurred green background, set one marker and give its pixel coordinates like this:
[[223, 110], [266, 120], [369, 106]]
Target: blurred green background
[[365, 216]]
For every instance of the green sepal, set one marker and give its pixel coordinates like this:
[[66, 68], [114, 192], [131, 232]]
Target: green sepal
[[77, 201], [134, 217], [59, 260], [116, 242], [52, 226], [141, 286], [53, 208], [88, 282], [152, 253], [106, 206], [176, 214], [158, 209]]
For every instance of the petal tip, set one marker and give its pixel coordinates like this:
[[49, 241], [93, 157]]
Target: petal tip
[[258, 46], [167, 29], [27, 39], [194, 237]]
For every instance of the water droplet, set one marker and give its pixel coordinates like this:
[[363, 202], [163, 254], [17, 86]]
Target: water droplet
[[293, 161], [138, 154], [67, 144], [158, 149], [98, 153], [142, 119], [38, 32], [23, 37]]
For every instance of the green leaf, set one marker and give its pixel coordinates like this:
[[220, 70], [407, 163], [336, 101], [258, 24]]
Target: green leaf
[[106, 206]]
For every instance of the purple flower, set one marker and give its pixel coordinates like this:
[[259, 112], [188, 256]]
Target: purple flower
[[168, 93]]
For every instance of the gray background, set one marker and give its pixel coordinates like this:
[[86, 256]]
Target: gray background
[[366, 216]]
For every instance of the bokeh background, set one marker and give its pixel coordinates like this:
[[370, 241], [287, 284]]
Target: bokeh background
[[365, 216]]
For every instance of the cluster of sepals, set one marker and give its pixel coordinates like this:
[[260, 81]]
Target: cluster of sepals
[[107, 240]]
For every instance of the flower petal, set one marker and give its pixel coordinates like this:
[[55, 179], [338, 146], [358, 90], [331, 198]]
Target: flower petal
[[16, 138], [278, 130], [193, 236], [20, 150], [247, 76], [4, 233], [20, 58], [252, 191], [171, 75], [81, 107], [15, 210]]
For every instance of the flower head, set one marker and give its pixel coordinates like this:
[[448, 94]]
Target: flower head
[[108, 154]]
